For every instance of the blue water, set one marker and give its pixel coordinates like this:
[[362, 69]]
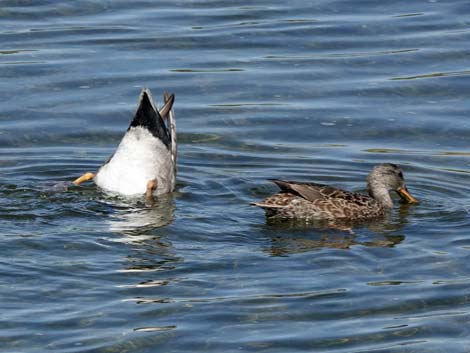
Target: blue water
[[315, 91]]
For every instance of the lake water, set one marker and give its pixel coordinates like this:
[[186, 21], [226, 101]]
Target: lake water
[[305, 90]]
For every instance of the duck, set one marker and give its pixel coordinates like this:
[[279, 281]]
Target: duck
[[302, 200], [144, 162]]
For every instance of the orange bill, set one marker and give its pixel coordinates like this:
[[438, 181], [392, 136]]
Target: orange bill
[[405, 195]]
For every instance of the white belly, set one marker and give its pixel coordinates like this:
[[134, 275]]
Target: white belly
[[139, 158]]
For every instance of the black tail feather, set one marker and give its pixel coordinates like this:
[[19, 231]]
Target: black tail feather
[[148, 117]]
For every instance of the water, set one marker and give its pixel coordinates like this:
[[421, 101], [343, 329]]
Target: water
[[318, 91]]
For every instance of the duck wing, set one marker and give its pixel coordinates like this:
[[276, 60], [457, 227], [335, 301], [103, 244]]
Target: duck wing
[[317, 192], [168, 111], [168, 101]]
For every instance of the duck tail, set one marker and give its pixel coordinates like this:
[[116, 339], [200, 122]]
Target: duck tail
[[148, 117]]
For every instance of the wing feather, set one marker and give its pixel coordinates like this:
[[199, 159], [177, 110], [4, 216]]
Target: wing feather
[[318, 192]]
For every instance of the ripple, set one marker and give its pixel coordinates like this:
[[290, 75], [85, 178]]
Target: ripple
[[207, 70], [343, 55], [392, 283], [154, 329], [434, 75]]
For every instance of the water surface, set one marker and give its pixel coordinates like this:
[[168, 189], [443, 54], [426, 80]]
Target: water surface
[[316, 91]]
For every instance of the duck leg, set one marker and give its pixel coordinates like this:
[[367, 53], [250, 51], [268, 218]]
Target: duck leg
[[83, 178], [151, 186]]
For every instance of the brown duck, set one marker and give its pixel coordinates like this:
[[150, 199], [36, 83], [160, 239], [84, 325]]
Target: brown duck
[[323, 202]]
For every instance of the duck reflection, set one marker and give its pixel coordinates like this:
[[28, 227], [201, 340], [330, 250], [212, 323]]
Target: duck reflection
[[150, 261], [140, 226], [137, 221], [295, 236]]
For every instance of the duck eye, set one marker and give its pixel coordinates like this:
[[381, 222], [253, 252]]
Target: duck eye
[[400, 175]]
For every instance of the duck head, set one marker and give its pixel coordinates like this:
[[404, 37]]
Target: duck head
[[385, 178]]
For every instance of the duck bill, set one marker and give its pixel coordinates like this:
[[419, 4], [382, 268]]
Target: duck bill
[[405, 195]]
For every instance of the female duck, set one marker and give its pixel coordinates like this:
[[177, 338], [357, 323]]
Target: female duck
[[145, 160], [322, 202]]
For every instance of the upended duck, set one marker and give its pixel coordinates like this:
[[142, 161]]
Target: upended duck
[[323, 202], [145, 159]]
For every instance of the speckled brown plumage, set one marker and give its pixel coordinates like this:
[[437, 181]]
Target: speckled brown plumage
[[323, 202]]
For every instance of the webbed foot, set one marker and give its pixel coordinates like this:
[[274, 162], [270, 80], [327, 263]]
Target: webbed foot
[[83, 178]]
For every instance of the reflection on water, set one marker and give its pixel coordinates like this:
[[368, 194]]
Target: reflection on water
[[139, 226], [135, 222], [292, 236], [282, 246]]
